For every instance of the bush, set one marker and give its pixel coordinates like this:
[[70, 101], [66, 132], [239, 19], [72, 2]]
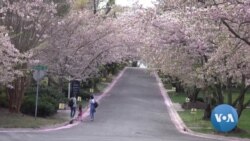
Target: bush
[[85, 95], [50, 94], [168, 86], [28, 106], [200, 99], [45, 107], [3, 101], [51, 101]]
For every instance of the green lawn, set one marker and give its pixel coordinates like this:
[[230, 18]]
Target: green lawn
[[180, 97], [195, 122], [8, 120], [244, 123], [235, 94], [177, 98]]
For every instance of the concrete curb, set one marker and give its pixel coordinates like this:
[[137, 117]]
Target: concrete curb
[[180, 125], [66, 125]]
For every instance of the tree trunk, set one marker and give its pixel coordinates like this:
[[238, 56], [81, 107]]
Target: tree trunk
[[16, 93], [179, 87], [239, 101], [195, 94], [229, 89], [61, 84], [219, 93], [192, 93], [207, 112], [95, 7]]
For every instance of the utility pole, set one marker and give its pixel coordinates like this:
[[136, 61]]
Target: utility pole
[[69, 88], [95, 6]]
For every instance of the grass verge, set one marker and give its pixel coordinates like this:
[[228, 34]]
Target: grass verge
[[10, 120], [195, 122]]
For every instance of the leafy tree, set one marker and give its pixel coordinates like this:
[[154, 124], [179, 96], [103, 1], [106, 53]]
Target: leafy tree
[[27, 22]]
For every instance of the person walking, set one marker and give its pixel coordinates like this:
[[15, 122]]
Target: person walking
[[72, 105], [92, 106], [79, 117]]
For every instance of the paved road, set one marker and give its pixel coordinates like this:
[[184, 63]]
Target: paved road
[[134, 110]]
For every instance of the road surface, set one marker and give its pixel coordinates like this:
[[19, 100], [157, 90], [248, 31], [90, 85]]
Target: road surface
[[133, 110]]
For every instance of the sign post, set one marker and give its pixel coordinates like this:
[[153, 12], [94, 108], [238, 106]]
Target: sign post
[[75, 88], [38, 74], [69, 88]]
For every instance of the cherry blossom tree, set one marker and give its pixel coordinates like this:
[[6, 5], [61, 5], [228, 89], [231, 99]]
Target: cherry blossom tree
[[228, 65], [10, 57], [203, 44], [82, 42], [234, 16], [27, 22]]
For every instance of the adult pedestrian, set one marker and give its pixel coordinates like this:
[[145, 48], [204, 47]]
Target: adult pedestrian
[[72, 105], [92, 107]]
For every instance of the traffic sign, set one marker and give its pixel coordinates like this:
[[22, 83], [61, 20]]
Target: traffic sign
[[39, 74], [75, 88], [40, 67]]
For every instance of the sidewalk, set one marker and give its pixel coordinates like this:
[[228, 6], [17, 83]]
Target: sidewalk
[[65, 114]]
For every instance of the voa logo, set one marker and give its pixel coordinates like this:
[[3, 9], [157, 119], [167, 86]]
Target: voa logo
[[224, 118]]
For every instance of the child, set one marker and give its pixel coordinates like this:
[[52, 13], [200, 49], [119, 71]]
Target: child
[[79, 117]]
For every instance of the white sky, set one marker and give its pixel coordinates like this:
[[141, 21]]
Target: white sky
[[144, 3], [130, 3]]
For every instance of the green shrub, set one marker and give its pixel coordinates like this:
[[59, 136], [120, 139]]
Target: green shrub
[[168, 85], [28, 106], [45, 106], [51, 101], [45, 109], [200, 99], [84, 94], [3, 101], [50, 94]]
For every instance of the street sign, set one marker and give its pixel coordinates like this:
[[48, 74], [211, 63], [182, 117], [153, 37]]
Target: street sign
[[91, 90], [62, 106], [79, 98], [193, 111], [39, 74], [40, 67], [75, 87]]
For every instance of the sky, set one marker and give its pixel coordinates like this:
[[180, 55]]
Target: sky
[[130, 3], [144, 3]]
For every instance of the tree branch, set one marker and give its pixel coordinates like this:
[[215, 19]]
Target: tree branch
[[234, 33]]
